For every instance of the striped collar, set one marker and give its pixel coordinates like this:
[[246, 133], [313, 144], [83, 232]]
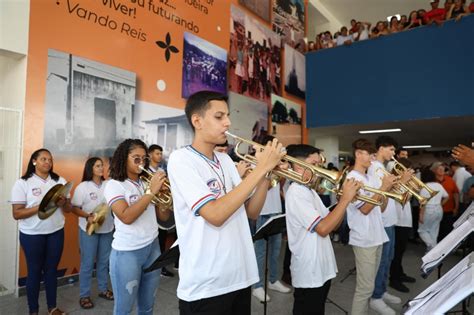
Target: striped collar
[[137, 184], [214, 162], [42, 179], [95, 185]]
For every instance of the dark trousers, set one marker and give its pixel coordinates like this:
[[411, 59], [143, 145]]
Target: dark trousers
[[42, 253], [310, 301], [233, 303], [402, 235], [446, 225]]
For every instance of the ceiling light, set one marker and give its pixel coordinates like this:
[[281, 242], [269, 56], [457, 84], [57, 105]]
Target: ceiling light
[[379, 130], [421, 146]]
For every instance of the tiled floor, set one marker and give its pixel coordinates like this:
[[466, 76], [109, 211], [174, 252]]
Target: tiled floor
[[167, 303]]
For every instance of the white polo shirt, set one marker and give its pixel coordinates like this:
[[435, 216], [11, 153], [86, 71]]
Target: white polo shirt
[[144, 229], [272, 203], [404, 215], [312, 257], [30, 192], [214, 260], [366, 230], [376, 173], [87, 196]]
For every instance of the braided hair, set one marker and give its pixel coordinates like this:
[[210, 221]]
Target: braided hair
[[118, 165], [30, 170]]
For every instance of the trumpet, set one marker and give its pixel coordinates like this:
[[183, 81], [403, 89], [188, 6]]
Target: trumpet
[[414, 185], [403, 191], [163, 197], [313, 176]]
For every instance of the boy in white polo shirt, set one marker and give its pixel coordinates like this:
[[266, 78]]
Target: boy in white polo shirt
[[308, 224], [217, 265], [385, 147], [367, 233]]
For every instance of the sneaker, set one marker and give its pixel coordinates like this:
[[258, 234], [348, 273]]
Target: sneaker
[[166, 273], [407, 279], [278, 286], [389, 298], [259, 293], [397, 285], [380, 307]]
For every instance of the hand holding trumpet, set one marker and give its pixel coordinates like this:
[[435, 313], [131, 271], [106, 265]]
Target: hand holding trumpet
[[156, 182], [350, 187], [270, 156]]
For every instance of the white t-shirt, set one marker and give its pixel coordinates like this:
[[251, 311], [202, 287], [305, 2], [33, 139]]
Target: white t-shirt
[[87, 196], [376, 173], [366, 230], [342, 39], [144, 229], [435, 202], [404, 215], [460, 176], [214, 260], [312, 257], [272, 203], [30, 192], [364, 35]]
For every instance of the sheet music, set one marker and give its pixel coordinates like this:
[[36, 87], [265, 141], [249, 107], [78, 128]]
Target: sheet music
[[270, 221], [448, 291], [469, 212], [447, 245]]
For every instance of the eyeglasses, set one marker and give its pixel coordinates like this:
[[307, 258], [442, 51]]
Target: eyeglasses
[[139, 159]]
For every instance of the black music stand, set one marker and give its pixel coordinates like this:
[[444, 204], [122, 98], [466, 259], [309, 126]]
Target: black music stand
[[169, 256], [274, 225]]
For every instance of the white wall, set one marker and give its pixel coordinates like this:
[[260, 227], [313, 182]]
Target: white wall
[[14, 23]]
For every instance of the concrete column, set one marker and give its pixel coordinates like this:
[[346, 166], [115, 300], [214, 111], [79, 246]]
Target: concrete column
[[330, 145]]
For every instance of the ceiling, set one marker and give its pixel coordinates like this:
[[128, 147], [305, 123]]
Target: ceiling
[[442, 133]]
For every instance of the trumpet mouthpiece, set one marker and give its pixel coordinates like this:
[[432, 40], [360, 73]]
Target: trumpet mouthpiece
[[227, 133]]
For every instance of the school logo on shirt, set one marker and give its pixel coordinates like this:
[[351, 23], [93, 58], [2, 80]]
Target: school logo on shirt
[[93, 196], [214, 186], [133, 199], [36, 192]]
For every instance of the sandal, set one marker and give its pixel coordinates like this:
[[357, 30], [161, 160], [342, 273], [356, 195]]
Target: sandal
[[86, 303], [56, 311], [107, 294]]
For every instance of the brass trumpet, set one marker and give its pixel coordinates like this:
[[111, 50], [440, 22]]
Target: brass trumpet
[[313, 176], [414, 185], [163, 197], [400, 189]]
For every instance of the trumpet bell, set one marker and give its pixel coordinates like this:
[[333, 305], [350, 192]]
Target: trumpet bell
[[100, 214], [48, 205]]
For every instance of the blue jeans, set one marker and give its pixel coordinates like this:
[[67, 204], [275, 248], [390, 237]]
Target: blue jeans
[[388, 252], [129, 281], [94, 248], [42, 253], [274, 244]]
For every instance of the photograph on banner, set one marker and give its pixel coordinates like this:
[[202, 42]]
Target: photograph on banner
[[259, 7], [204, 66], [295, 78], [249, 120], [289, 22], [286, 120], [254, 58], [88, 106], [162, 125]]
